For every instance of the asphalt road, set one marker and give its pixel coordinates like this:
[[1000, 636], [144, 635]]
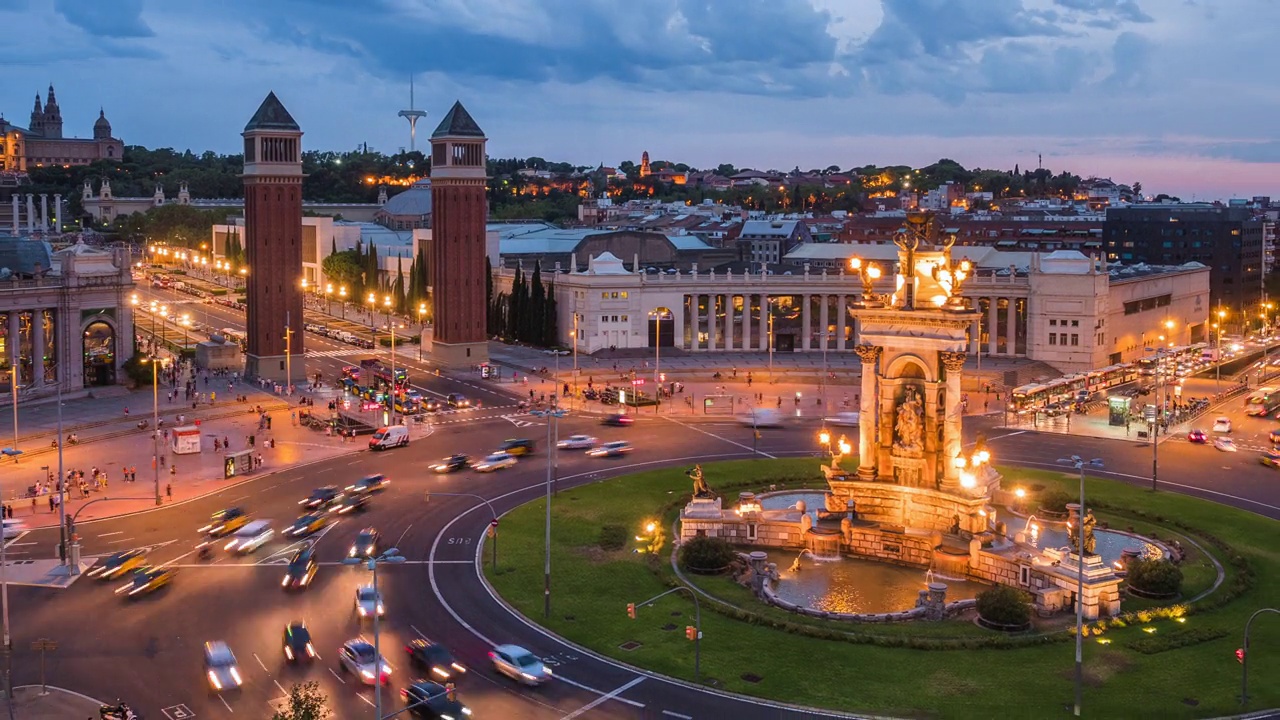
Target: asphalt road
[[148, 651]]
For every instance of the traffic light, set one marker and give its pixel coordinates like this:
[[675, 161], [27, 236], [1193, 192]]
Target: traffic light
[[1240, 655], [690, 632], [631, 610], [450, 692]]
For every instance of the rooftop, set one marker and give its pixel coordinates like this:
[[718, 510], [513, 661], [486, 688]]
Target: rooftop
[[271, 115], [458, 123]]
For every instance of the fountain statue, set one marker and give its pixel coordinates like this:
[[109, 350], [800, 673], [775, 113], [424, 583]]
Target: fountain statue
[[795, 564], [700, 487], [907, 427]]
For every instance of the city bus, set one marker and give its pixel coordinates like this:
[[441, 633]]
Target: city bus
[[1263, 401]]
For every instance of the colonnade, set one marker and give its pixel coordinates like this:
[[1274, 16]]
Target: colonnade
[[31, 335]]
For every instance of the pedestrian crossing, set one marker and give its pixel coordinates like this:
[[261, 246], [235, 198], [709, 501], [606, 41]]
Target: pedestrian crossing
[[352, 352]]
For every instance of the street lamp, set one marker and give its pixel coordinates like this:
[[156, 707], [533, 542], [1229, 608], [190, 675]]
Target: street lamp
[[395, 386], [553, 414], [769, 301], [328, 305], [342, 296], [868, 272], [1080, 463], [1222, 314], [155, 420], [372, 299], [185, 321], [393, 556], [422, 328], [658, 315]]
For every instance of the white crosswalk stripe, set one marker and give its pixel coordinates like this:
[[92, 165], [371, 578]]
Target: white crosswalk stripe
[[336, 353]]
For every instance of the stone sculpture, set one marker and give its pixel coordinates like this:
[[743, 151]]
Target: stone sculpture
[[700, 487], [908, 425]]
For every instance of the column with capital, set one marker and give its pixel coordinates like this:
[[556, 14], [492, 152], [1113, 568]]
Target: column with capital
[[952, 364], [31, 213], [806, 331], [746, 322], [868, 412], [842, 318], [1011, 327], [824, 322], [37, 347], [766, 308], [713, 305], [993, 329], [57, 212]]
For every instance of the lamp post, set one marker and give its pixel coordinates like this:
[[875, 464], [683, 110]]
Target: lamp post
[[1222, 314], [185, 321], [395, 386], [575, 350], [697, 623], [422, 328], [769, 302], [1080, 463], [553, 415], [1242, 653], [657, 314], [372, 299], [342, 297], [155, 422], [394, 557], [328, 303]]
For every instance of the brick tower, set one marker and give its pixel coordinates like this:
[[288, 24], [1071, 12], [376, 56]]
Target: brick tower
[[273, 243], [459, 210]]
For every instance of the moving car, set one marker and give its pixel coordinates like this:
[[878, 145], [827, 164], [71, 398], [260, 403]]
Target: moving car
[[306, 525], [368, 602], [146, 580], [433, 658], [519, 664], [496, 461], [321, 498], [760, 417], [350, 503], [1274, 436], [617, 420], [1225, 444], [577, 442], [453, 463], [220, 666], [250, 537], [225, 522], [1270, 458], [358, 658], [517, 447], [610, 449], [425, 699], [118, 564], [297, 642], [302, 568], [430, 404], [1197, 436], [369, 483], [13, 528], [1222, 424], [457, 400], [843, 419], [393, 436], [366, 544]]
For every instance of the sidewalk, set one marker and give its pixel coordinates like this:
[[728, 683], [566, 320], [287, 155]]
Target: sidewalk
[[111, 445], [30, 704]]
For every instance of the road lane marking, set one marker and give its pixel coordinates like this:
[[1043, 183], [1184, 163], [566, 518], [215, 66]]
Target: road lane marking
[[401, 538], [261, 664], [418, 632], [677, 715], [242, 497], [277, 682], [118, 532], [725, 439], [120, 540], [362, 697], [18, 537], [225, 704], [604, 698], [335, 674]]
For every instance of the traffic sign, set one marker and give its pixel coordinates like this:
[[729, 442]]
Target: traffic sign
[[638, 381]]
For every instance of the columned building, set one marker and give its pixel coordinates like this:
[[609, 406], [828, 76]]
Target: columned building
[[65, 318], [273, 243], [1063, 308], [458, 240]]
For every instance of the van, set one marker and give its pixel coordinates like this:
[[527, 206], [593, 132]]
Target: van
[[250, 537], [389, 437], [761, 417]]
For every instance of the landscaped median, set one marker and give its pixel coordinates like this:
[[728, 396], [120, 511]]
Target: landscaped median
[[1150, 667]]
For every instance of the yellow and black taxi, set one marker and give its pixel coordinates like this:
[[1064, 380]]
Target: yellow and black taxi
[[116, 565], [225, 522], [369, 483], [1270, 458], [1274, 436], [307, 524], [146, 580], [517, 447]]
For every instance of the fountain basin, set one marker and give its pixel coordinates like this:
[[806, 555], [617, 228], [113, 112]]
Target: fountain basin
[[860, 587]]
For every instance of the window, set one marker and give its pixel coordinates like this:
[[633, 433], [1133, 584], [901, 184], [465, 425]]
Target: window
[[604, 296], [624, 318], [623, 294], [1053, 338], [1075, 339], [1062, 338], [1053, 323], [1075, 323]]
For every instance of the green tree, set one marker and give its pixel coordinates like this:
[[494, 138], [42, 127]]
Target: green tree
[[550, 323], [306, 702], [490, 328], [533, 320], [343, 268]]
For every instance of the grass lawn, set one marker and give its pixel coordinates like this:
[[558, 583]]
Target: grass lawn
[[591, 588]]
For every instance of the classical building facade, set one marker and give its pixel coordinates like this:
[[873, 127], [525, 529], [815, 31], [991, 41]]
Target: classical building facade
[[273, 243], [65, 317], [1063, 308], [42, 143], [458, 239]]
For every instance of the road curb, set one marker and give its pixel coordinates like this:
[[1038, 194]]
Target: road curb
[[82, 696], [204, 495]]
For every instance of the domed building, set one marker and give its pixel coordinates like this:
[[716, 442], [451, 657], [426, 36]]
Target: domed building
[[408, 210], [42, 144]]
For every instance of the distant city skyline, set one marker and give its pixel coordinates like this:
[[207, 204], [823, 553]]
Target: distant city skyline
[[1176, 95]]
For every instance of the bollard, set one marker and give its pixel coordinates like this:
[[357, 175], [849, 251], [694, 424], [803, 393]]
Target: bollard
[[75, 557]]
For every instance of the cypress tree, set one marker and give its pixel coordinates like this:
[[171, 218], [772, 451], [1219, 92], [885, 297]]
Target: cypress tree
[[489, 320], [515, 306], [550, 323], [534, 320]]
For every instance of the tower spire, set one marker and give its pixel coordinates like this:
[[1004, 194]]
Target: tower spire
[[412, 115]]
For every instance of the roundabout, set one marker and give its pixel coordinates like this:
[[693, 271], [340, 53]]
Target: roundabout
[[1173, 657]]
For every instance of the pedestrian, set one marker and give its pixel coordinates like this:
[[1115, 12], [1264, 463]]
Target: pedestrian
[[168, 490], [162, 460], [226, 443], [51, 502], [33, 505], [173, 469]]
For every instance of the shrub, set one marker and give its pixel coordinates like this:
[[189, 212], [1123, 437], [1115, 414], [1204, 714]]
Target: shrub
[[703, 553], [612, 537], [1005, 605], [1055, 500], [1155, 577], [1175, 639]]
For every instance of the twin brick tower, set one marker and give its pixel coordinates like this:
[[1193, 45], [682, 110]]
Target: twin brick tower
[[273, 242]]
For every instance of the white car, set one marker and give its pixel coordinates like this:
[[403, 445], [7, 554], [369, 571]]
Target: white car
[[1225, 444], [496, 461], [577, 442], [1222, 425], [250, 537], [220, 666], [611, 449], [13, 528], [843, 419], [368, 602], [358, 658], [519, 664]]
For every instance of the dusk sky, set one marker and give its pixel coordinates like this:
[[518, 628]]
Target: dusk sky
[[1182, 95]]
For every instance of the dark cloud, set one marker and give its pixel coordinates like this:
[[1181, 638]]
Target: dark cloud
[[1024, 67], [118, 19], [1130, 60]]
